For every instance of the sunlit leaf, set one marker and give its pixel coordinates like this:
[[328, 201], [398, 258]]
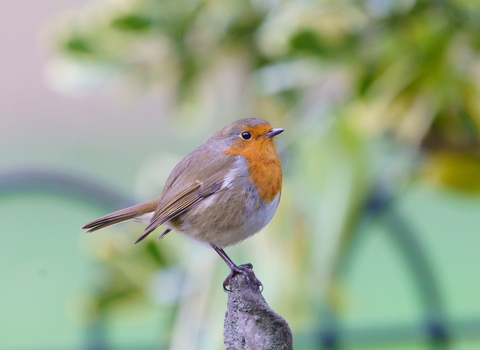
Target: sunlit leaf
[[454, 170]]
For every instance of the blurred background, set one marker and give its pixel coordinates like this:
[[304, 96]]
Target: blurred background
[[375, 244]]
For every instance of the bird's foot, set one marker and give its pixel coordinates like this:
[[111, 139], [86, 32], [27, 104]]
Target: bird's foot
[[247, 271]]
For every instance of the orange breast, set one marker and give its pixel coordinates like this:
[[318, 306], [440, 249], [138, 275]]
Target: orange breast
[[264, 165]]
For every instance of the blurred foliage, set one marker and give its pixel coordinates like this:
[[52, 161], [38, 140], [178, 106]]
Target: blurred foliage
[[121, 274], [355, 83], [411, 67]]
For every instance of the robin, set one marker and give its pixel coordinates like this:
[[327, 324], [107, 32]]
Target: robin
[[223, 192]]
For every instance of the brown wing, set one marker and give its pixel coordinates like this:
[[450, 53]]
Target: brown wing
[[170, 206]]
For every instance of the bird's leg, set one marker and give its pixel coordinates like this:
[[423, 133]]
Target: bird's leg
[[245, 269]]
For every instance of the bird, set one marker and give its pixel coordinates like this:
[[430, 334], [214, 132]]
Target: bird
[[224, 191]]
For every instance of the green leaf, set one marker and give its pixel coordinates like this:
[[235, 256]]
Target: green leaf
[[78, 45], [307, 42], [152, 250], [132, 23]]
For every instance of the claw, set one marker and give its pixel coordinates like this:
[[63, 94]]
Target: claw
[[247, 271]]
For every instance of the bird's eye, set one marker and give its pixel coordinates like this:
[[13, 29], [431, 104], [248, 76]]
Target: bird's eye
[[246, 135]]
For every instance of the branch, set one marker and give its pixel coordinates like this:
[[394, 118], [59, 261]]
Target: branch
[[250, 324]]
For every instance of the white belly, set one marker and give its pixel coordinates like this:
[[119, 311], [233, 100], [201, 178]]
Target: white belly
[[226, 231], [252, 225]]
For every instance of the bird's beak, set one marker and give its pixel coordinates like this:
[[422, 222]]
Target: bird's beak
[[273, 132]]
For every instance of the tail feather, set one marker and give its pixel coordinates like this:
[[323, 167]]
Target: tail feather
[[122, 215]]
